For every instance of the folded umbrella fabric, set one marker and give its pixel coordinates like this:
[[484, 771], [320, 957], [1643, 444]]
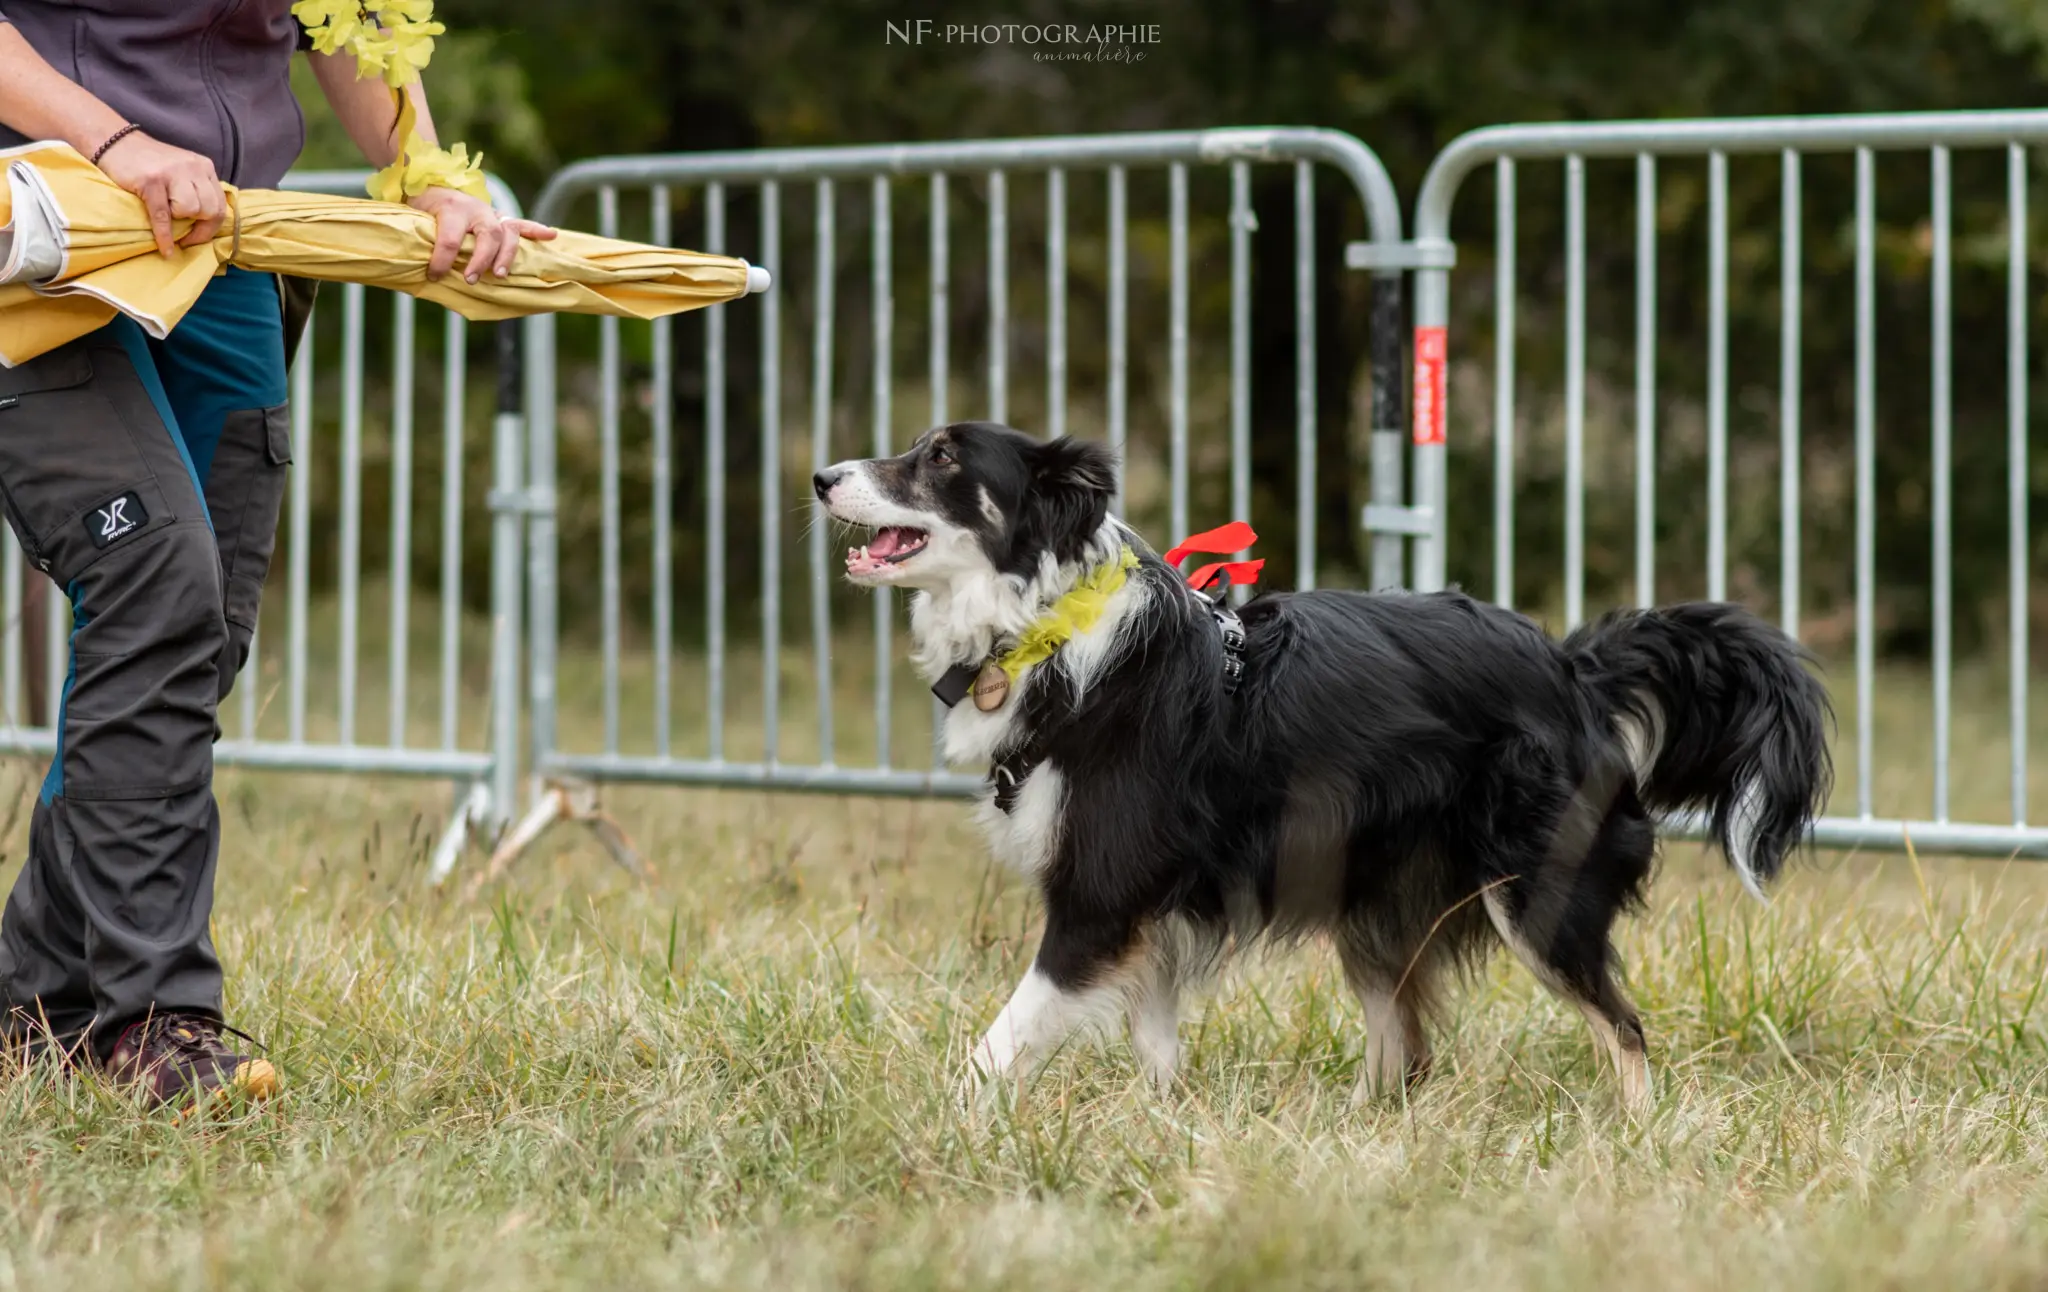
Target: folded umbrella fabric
[[76, 249]]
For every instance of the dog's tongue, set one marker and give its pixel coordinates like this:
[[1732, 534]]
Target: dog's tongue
[[888, 542], [886, 546]]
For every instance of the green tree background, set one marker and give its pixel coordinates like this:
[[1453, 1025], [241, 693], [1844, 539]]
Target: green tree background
[[536, 85]]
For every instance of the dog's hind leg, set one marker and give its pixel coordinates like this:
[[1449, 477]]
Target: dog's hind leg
[[1577, 965], [1555, 911]]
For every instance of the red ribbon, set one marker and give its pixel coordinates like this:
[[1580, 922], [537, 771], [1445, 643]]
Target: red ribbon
[[1234, 537]]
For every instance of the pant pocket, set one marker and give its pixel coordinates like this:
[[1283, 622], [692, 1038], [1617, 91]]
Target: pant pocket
[[80, 448], [244, 491]]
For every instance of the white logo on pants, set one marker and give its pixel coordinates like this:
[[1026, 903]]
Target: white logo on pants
[[114, 520]]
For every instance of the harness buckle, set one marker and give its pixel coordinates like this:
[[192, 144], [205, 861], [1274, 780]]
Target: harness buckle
[[1231, 629]]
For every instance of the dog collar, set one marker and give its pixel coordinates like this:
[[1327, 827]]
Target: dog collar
[[1075, 613]]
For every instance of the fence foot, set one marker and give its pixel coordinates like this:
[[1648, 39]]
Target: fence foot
[[563, 801], [470, 814]]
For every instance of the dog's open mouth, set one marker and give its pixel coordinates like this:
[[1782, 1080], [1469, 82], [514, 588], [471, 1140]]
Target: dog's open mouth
[[891, 545]]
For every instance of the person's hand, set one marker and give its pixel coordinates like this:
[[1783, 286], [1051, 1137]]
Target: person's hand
[[462, 216], [173, 185]]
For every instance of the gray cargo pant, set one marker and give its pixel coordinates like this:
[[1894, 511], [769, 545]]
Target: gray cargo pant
[[144, 479]]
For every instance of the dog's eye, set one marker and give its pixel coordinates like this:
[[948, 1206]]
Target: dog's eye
[[941, 456]]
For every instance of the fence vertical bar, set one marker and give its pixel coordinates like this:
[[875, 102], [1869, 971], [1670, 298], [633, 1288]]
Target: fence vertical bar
[[1177, 343], [937, 357], [1790, 235], [1504, 381], [661, 487], [508, 517], [608, 485], [2016, 466], [1119, 326], [940, 321], [299, 537], [1717, 376], [543, 532], [1390, 549], [998, 297], [883, 325], [1943, 480], [404, 317], [1241, 224], [1646, 378], [248, 682], [1574, 390], [1056, 302], [1866, 469], [771, 481], [454, 375], [821, 457], [351, 498], [714, 488], [1304, 375]]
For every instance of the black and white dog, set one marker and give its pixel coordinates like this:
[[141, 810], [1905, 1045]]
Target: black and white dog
[[1415, 776]]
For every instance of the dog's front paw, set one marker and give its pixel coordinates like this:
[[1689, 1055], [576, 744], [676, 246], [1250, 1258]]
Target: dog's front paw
[[978, 1092]]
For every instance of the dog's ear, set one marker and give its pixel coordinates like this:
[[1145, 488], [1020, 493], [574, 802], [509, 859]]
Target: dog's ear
[[1074, 464], [1072, 482]]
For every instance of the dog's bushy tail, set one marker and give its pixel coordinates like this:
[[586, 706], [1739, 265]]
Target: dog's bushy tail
[[1721, 716]]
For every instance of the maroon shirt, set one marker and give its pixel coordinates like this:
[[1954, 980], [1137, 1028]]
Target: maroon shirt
[[211, 76]]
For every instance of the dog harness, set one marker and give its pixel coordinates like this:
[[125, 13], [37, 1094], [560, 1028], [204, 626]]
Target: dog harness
[[1213, 583]]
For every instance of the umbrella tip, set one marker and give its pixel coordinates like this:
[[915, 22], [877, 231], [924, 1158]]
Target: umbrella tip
[[757, 280]]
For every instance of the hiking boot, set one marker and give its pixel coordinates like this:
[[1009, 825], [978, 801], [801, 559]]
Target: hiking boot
[[172, 1057]]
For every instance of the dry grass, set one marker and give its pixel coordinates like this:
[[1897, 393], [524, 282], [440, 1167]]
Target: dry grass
[[743, 1077]]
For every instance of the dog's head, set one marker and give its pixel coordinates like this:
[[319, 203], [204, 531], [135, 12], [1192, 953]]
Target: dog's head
[[967, 500]]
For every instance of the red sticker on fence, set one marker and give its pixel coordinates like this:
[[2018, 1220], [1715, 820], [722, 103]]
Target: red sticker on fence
[[1431, 350]]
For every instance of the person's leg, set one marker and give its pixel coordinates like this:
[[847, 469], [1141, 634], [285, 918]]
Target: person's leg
[[223, 379], [107, 923], [224, 375], [205, 404]]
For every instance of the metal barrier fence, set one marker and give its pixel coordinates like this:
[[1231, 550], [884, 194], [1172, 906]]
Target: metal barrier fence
[[524, 502], [947, 169], [1789, 140], [303, 738]]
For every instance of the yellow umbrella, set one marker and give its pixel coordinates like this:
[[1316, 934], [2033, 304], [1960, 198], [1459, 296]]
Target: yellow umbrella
[[76, 249]]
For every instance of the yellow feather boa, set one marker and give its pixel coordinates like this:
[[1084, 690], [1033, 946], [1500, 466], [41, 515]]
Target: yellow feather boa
[[1071, 616], [394, 39]]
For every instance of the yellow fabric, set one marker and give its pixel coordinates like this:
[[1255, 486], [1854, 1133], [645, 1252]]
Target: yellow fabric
[[1072, 615], [110, 262]]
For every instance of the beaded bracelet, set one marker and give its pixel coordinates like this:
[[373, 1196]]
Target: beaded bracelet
[[113, 139]]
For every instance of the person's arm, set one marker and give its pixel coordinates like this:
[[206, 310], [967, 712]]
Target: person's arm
[[366, 111], [39, 102]]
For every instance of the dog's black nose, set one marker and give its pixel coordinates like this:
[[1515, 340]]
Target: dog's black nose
[[822, 482]]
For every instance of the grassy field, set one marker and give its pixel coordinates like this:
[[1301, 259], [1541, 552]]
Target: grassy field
[[743, 1076]]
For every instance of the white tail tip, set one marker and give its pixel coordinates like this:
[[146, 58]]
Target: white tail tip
[[758, 280]]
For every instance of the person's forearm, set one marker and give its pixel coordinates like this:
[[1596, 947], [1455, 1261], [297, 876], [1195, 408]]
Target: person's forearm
[[366, 108], [39, 102]]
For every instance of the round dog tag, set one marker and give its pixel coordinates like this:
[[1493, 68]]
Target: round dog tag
[[991, 687]]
